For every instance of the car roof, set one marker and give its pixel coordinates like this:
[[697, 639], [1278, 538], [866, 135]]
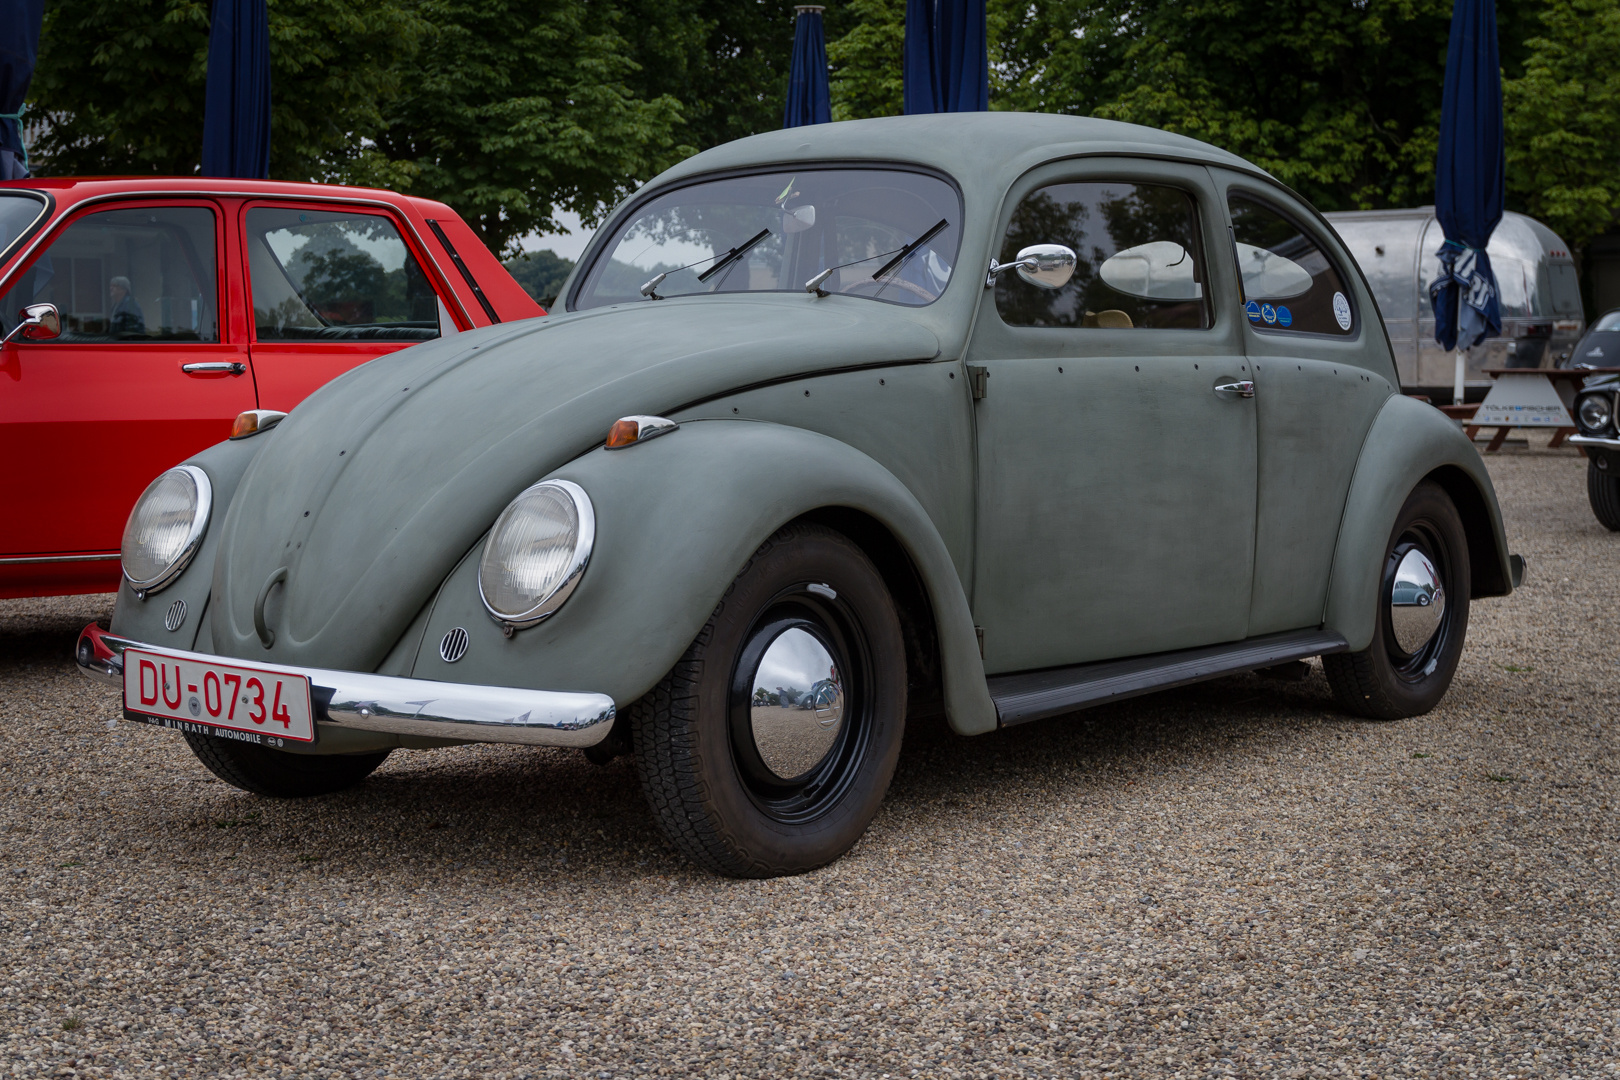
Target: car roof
[[69, 190], [983, 151]]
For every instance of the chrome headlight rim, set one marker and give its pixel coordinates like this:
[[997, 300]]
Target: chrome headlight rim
[[1606, 397], [584, 542], [188, 550]]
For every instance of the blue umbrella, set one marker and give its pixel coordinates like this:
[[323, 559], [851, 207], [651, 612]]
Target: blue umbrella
[[1469, 182], [236, 118], [809, 101], [19, 49], [946, 65]]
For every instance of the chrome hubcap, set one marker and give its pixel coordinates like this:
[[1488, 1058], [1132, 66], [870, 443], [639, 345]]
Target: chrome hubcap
[[796, 709], [1417, 602]]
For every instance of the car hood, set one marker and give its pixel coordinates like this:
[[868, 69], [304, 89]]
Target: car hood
[[371, 491]]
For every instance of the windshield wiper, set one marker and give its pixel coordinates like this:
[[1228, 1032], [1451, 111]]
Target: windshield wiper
[[734, 254], [905, 252]]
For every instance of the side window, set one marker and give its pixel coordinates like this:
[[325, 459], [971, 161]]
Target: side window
[[322, 275], [1288, 281], [1140, 263], [137, 274]]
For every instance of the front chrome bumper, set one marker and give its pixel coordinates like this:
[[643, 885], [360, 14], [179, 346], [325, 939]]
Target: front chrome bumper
[[367, 702], [1593, 440]]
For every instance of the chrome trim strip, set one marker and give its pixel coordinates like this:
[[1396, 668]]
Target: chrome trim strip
[[59, 558], [1593, 440], [397, 706]]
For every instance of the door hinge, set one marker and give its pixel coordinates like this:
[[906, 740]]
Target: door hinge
[[978, 632], [978, 380]]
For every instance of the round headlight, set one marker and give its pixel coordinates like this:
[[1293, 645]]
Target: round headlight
[[536, 553], [166, 527], [1593, 411]]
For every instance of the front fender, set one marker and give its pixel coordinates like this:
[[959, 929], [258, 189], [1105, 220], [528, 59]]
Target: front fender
[[1410, 442], [676, 518]]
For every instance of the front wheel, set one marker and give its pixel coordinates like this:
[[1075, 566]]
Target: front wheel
[[1422, 616], [278, 774], [1603, 492], [768, 747]]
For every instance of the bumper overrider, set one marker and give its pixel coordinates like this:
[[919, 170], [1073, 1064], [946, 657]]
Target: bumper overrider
[[362, 701]]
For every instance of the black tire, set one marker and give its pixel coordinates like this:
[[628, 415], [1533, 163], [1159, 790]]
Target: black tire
[[1384, 681], [1603, 492], [278, 774], [695, 751]]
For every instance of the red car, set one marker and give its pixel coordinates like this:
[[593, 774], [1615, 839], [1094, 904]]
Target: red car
[[179, 304]]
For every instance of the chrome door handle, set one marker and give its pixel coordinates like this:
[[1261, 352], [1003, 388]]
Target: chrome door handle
[[213, 367], [1242, 388]]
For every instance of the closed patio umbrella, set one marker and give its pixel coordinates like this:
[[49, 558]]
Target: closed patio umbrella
[[236, 117], [946, 65], [19, 50], [1469, 183], [809, 99]]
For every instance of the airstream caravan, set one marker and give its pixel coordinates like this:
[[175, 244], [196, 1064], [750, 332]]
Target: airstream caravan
[[1541, 298]]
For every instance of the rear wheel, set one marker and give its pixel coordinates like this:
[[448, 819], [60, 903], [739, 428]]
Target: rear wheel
[[1422, 616], [769, 746], [278, 774], [1603, 492]]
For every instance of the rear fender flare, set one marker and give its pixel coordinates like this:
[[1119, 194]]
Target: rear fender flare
[[1410, 442], [676, 519]]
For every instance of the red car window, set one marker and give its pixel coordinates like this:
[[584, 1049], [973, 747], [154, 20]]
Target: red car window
[[324, 275], [128, 274]]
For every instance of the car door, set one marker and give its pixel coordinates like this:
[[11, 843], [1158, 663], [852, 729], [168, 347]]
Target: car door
[[1322, 370], [1116, 478], [331, 287], [140, 378]]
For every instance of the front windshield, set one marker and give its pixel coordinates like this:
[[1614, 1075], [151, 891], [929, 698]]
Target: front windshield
[[18, 211], [775, 231], [1600, 346]]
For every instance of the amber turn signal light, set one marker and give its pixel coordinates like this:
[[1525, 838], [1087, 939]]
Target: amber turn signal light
[[254, 421], [630, 430]]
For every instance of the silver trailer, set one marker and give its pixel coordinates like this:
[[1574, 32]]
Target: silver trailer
[[1541, 297]]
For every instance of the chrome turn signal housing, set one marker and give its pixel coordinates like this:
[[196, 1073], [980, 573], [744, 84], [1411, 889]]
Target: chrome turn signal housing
[[254, 421], [536, 553], [630, 430]]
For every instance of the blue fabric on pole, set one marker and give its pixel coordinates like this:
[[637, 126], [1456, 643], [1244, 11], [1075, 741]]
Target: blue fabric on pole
[[20, 22], [1470, 179], [946, 66], [809, 99], [236, 117]]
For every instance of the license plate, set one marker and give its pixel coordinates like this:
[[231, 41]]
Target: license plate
[[201, 695]]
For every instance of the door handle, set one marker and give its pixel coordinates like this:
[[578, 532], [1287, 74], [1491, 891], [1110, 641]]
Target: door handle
[[214, 367], [1241, 388]]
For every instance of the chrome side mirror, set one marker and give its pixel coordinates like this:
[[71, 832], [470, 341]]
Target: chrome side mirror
[[1046, 266], [40, 322]]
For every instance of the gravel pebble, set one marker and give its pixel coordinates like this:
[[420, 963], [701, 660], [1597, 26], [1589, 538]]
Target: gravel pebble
[[1229, 880]]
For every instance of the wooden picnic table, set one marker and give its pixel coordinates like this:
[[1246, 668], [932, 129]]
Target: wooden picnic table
[[1553, 375]]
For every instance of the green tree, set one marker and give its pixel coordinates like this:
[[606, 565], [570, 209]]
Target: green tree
[[541, 273], [1563, 120], [122, 84]]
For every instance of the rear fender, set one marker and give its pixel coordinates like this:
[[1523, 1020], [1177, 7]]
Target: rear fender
[[676, 519], [1410, 442]]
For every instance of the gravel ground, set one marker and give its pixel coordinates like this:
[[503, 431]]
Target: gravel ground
[[1232, 880]]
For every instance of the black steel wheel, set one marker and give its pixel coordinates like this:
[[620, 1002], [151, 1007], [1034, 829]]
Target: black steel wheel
[[769, 746], [1603, 492], [1422, 616], [278, 774]]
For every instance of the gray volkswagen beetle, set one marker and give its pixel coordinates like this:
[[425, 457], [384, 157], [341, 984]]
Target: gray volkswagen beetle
[[997, 416]]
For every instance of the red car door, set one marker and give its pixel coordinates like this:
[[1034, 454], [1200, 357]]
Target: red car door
[[141, 377], [330, 287]]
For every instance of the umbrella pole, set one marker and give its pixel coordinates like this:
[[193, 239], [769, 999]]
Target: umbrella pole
[[1457, 383]]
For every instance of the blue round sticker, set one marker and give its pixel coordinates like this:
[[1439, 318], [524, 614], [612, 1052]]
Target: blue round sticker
[[1268, 313], [1253, 311], [1284, 317]]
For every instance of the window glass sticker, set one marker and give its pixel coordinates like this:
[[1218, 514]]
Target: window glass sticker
[[1289, 283], [1138, 259]]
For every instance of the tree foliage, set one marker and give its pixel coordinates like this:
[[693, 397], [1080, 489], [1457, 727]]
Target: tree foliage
[[1563, 120]]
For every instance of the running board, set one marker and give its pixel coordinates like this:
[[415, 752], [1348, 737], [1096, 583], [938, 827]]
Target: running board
[[1035, 695]]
